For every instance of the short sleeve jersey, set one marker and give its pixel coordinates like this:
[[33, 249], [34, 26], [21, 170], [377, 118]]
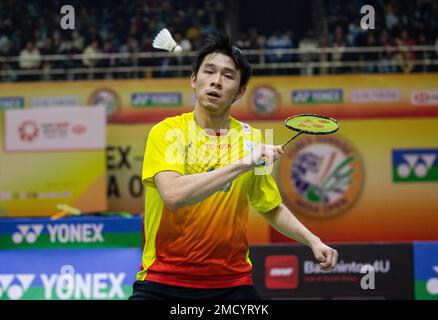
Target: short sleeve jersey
[[203, 245]]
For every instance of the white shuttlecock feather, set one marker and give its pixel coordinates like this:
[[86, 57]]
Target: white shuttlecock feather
[[163, 40]]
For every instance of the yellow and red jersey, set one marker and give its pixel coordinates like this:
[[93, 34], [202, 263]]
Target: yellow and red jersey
[[203, 245]]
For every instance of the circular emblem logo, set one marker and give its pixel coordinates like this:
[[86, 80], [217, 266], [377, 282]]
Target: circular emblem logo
[[28, 130], [322, 176], [264, 100], [108, 98]]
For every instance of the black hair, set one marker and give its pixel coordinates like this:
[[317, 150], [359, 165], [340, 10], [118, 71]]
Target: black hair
[[220, 43]]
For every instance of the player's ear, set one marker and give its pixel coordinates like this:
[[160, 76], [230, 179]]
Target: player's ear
[[240, 93], [193, 80]]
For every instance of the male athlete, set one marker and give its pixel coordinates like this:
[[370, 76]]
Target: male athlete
[[202, 172]]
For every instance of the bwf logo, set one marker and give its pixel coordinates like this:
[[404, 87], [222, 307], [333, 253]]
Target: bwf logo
[[27, 232], [415, 165], [13, 286]]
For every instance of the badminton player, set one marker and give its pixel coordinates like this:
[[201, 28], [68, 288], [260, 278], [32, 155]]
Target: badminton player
[[196, 208]]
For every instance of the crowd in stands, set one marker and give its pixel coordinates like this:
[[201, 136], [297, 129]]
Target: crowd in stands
[[30, 29]]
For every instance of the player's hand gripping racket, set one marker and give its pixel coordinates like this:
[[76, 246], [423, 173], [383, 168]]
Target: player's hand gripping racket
[[308, 124]]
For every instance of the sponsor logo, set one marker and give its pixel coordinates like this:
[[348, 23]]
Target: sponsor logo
[[28, 131], [352, 267], [323, 176], [66, 128], [11, 103], [264, 100], [415, 165], [281, 272], [61, 101], [13, 286], [27, 232], [317, 96], [5, 196], [424, 98], [79, 129], [107, 98], [62, 233], [375, 95], [150, 99], [63, 286], [246, 128], [432, 283], [248, 145]]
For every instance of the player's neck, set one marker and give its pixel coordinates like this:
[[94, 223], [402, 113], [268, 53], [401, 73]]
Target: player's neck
[[208, 120]]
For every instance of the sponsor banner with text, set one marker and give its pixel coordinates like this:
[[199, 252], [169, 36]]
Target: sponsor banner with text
[[350, 96], [377, 271], [51, 157], [58, 274], [75, 232]]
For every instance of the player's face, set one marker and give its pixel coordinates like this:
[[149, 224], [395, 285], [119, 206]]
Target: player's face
[[217, 83]]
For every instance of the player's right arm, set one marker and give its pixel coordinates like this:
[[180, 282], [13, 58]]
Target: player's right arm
[[178, 190], [168, 175]]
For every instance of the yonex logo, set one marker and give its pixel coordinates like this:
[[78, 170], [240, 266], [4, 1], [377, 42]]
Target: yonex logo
[[63, 233], [415, 165], [27, 232], [432, 283], [419, 164], [14, 286]]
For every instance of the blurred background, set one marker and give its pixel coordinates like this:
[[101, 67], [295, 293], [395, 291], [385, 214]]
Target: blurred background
[[81, 88]]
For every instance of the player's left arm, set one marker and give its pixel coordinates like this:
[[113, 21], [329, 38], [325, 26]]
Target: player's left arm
[[284, 221]]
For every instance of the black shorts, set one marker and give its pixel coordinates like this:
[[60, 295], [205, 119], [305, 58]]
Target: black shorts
[[148, 290]]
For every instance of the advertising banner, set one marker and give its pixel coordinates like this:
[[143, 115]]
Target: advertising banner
[[75, 232], [51, 156], [151, 100], [71, 274], [378, 271], [373, 180], [426, 270]]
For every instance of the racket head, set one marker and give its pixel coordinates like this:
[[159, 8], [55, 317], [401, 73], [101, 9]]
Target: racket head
[[312, 124]]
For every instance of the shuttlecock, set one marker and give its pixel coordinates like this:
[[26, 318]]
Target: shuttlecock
[[163, 40]]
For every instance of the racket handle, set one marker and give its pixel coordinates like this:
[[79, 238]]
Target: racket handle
[[262, 161]]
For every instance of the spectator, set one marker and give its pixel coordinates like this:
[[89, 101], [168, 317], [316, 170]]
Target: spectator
[[323, 55], [387, 57], [30, 60], [405, 57], [308, 52], [337, 56], [90, 58]]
